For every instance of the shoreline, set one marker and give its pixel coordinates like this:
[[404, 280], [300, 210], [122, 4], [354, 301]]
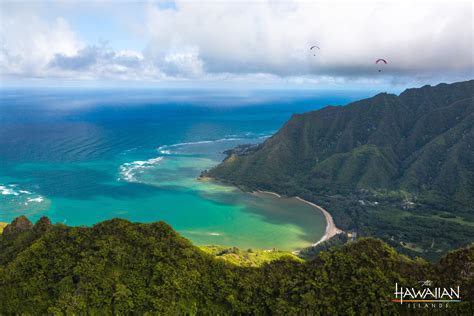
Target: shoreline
[[331, 228], [269, 192]]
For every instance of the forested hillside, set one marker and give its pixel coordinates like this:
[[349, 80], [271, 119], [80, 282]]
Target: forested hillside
[[397, 167], [122, 267]]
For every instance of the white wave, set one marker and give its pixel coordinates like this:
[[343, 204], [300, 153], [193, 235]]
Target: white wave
[[230, 137], [19, 195], [129, 170], [185, 144], [4, 190], [38, 199], [164, 147], [193, 232], [248, 136], [214, 234]]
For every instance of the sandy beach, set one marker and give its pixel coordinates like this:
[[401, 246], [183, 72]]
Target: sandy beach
[[331, 229], [2, 226]]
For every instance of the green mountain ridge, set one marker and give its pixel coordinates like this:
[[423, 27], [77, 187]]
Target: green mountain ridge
[[418, 145], [118, 267]]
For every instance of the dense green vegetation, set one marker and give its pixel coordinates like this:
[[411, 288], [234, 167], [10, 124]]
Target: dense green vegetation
[[121, 267], [313, 251], [397, 167], [248, 257]]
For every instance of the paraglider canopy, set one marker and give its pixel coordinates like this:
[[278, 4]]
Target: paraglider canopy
[[380, 60], [314, 46]]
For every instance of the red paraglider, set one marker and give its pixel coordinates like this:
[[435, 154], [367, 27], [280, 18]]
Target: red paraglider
[[381, 60]]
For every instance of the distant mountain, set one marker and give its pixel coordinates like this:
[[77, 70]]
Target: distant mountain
[[418, 146], [118, 267]]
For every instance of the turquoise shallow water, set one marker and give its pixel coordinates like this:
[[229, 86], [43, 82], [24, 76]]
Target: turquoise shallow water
[[81, 157]]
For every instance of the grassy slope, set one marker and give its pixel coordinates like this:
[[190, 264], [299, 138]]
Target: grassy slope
[[249, 257]]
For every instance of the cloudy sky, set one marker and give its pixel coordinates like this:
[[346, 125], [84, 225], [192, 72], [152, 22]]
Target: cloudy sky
[[236, 42]]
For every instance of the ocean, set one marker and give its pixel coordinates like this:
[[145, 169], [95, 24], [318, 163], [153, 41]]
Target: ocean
[[81, 156]]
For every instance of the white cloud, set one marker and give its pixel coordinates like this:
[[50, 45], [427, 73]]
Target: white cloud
[[29, 42], [266, 40], [184, 62], [100, 61], [32, 46], [275, 36]]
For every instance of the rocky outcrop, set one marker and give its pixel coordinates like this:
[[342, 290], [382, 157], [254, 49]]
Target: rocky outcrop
[[19, 224], [42, 225]]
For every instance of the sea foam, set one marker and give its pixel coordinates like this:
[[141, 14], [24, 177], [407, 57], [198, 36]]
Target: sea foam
[[164, 149], [10, 193], [129, 170], [4, 190], [232, 137], [194, 232], [38, 199]]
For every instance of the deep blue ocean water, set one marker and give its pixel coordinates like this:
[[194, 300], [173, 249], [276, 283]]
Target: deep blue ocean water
[[83, 156]]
